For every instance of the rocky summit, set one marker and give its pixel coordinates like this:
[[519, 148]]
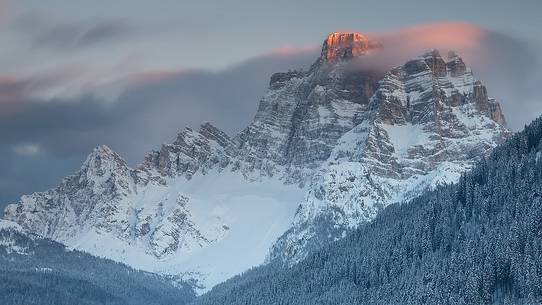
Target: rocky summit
[[327, 150], [343, 46]]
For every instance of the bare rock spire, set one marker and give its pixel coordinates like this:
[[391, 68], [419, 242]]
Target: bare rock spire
[[342, 45]]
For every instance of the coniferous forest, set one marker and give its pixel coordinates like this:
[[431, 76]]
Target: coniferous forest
[[475, 242], [45, 272]]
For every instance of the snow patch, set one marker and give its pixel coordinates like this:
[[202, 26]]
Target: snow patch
[[403, 137], [241, 220]]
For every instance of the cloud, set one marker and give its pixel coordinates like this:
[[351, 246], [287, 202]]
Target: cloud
[[481, 48], [16, 92], [287, 50], [187, 97], [47, 31], [11, 90], [4, 9], [458, 36], [150, 110], [28, 149]]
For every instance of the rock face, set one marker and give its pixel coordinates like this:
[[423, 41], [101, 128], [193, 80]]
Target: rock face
[[341, 46], [191, 152], [303, 114], [428, 122], [105, 196], [327, 150]]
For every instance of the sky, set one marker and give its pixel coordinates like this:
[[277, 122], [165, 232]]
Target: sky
[[131, 74]]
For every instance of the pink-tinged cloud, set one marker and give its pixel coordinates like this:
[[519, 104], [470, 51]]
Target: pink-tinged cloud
[[400, 45], [5, 7], [287, 50], [11, 91], [450, 35], [14, 88], [469, 40]]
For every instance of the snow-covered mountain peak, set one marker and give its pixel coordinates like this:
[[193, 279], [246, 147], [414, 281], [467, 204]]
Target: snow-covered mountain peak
[[335, 144], [103, 152], [430, 60], [103, 172], [455, 64], [428, 121], [103, 160]]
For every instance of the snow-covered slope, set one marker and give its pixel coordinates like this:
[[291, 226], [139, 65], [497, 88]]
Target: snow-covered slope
[[327, 150], [226, 225], [208, 227]]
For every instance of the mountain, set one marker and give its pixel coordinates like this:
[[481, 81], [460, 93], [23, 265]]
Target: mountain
[[327, 150], [303, 114], [478, 241], [179, 213], [34, 270], [428, 121]]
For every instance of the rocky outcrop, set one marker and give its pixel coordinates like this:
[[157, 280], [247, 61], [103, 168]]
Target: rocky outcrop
[[190, 152], [344, 46]]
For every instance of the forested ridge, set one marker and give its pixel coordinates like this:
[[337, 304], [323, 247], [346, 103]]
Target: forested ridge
[[40, 271], [475, 242]]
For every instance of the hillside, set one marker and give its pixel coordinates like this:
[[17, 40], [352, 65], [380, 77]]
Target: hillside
[[475, 242], [34, 270]]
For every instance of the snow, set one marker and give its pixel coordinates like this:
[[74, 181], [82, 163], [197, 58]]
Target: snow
[[402, 137], [254, 213], [345, 109], [462, 83], [10, 225]]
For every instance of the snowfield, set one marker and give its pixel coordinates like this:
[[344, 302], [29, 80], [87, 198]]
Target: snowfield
[[240, 220]]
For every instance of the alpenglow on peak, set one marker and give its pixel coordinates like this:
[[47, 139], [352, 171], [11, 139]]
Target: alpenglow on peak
[[345, 45]]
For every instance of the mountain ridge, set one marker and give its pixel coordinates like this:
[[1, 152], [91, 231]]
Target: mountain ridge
[[319, 142]]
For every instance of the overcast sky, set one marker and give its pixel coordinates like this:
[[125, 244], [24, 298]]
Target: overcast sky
[[130, 74]]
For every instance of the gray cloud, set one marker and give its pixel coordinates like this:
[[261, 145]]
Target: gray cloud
[[148, 113], [511, 71], [50, 32]]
